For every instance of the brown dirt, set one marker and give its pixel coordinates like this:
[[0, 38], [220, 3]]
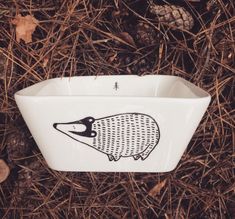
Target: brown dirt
[[86, 38]]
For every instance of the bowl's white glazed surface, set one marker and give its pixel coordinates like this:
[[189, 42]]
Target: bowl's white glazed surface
[[113, 123]]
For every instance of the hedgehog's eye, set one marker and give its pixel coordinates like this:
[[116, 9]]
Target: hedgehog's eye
[[90, 119], [93, 134]]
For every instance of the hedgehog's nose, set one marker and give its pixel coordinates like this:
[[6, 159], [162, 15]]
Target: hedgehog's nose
[[55, 125]]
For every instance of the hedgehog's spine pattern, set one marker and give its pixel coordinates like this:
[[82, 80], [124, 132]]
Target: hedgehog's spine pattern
[[126, 135]]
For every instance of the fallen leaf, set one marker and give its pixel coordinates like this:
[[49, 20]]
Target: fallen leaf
[[157, 188], [4, 171], [25, 26], [127, 38]]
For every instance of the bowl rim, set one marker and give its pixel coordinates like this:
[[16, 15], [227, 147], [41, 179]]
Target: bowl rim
[[205, 94]]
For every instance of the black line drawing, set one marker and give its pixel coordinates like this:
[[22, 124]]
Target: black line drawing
[[121, 135], [116, 86]]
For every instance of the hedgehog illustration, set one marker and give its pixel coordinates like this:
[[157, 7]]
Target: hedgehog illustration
[[122, 135]]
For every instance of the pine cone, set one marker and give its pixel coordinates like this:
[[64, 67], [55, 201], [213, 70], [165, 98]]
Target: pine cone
[[30, 173], [144, 66], [176, 16], [17, 147], [134, 65], [145, 34]]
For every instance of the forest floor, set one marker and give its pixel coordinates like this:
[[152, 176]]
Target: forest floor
[[105, 37]]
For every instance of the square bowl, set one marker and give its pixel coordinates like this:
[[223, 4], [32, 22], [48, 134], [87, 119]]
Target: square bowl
[[113, 123]]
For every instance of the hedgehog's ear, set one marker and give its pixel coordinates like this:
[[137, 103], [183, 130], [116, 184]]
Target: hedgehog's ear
[[89, 119]]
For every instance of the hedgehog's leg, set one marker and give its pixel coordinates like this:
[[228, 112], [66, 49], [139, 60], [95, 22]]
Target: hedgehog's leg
[[136, 157], [147, 151], [110, 156], [114, 157]]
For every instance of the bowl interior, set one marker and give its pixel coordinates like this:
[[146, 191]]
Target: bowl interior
[[122, 86]]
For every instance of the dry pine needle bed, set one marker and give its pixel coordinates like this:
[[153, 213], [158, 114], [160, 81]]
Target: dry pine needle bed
[[194, 39]]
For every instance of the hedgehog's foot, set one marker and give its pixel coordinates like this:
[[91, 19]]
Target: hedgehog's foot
[[113, 157], [110, 157], [144, 156], [146, 153], [136, 157]]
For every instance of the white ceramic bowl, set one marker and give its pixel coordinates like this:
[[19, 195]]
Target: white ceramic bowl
[[113, 123]]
